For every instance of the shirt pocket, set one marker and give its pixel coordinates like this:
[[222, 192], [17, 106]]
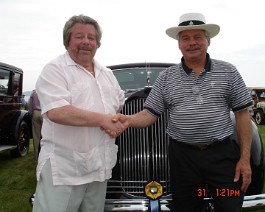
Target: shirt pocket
[[88, 162], [82, 96]]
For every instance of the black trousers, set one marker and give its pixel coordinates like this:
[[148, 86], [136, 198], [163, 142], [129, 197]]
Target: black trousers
[[192, 169]]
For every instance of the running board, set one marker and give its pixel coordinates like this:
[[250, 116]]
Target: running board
[[7, 147]]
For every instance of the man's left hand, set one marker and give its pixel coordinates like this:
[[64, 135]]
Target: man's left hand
[[243, 169]]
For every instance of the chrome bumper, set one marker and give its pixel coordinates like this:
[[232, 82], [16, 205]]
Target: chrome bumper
[[254, 202], [251, 203], [131, 205]]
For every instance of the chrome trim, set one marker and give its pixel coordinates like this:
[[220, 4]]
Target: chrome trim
[[131, 205], [251, 203], [254, 202]]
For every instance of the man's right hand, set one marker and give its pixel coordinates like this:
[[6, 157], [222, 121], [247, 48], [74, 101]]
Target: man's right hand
[[121, 122], [122, 119]]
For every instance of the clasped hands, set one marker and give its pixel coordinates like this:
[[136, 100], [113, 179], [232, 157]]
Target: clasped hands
[[115, 125]]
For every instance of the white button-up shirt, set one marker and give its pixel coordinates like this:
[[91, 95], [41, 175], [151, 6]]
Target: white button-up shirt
[[78, 155]]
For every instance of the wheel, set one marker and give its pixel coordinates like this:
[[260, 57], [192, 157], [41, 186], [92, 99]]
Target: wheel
[[22, 141], [31, 199], [259, 117]]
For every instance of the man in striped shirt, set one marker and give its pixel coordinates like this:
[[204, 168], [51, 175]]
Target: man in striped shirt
[[199, 93]]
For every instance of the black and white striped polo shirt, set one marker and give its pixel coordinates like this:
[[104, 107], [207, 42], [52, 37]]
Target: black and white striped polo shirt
[[199, 108]]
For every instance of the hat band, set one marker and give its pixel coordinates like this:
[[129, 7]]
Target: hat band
[[191, 22]]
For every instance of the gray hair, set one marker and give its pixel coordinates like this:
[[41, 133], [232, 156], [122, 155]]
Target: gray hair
[[82, 19]]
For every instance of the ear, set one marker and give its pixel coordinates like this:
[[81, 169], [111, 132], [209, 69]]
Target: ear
[[209, 41]]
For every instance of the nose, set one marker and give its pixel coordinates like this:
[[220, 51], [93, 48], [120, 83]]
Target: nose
[[86, 39], [192, 41]]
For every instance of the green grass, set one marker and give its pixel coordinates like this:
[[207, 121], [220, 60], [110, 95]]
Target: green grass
[[262, 133], [18, 180]]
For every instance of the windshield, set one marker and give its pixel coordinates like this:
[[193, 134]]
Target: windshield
[[136, 78]]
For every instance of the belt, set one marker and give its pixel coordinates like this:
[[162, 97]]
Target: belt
[[203, 145]]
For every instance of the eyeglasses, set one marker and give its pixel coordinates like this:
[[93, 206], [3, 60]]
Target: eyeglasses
[[196, 91]]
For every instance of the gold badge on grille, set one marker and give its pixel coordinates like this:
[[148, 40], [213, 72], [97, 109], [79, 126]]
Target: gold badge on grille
[[153, 190]]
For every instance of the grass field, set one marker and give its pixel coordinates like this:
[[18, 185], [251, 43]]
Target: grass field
[[18, 181]]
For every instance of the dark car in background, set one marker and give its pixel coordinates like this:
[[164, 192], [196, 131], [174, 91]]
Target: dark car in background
[[141, 175], [15, 123]]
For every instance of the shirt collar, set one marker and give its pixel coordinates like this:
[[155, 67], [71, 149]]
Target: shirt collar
[[71, 62], [207, 66]]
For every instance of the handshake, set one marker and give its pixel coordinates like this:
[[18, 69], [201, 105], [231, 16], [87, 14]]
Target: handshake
[[114, 125]]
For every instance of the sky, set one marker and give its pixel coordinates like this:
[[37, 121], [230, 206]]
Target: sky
[[133, 31]]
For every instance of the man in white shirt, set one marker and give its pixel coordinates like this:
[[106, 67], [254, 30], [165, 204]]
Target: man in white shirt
[[78, 97]]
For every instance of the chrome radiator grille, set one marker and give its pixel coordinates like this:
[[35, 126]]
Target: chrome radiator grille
[[143, 153]]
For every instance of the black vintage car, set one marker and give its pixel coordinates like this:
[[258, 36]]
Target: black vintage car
[[141, 175], [15, 123]]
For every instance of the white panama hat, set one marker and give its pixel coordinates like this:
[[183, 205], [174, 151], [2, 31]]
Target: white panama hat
[[190, 21]]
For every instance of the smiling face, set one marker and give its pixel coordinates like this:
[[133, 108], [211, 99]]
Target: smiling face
[[193, 44], [82, 46]]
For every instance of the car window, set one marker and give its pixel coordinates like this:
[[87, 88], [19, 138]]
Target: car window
[[137, 77], [4, 79], [262, 95], [126, 79], [10, 82], [15, 84]]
